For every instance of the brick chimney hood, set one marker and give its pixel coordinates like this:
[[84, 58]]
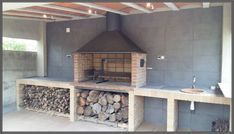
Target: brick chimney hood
[[112, 40]]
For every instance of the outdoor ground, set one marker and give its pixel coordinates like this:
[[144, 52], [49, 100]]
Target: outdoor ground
[[32, 121]]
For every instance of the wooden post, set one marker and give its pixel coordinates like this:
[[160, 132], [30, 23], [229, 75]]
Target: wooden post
[[172, 114], [73, 104], [136, 111]]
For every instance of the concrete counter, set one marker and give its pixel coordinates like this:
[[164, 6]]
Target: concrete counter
[[170, 92], [136, 97], [172, 95]]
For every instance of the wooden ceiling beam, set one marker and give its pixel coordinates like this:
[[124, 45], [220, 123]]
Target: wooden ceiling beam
[[46, 12], [136, 6], [16, 5], [32, 15], [206, 4], [171, 5], [70, 10], [26, 18], [91, 5]]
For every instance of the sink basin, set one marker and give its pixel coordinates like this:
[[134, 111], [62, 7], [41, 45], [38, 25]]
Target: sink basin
[[192, 90]]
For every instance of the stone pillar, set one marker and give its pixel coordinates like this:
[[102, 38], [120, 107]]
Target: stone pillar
[[172, 114], [73, 104], [19, 95], [136, 111]]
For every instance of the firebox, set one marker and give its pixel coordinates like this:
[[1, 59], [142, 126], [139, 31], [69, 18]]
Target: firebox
[[114, 67], [111, 57]]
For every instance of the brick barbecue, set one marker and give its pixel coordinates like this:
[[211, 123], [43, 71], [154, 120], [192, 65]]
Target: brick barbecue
[[110, 57], [109, 62]]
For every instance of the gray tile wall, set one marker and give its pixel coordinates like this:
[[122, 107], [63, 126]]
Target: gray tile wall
[[204, 114], [62, 43], [190, 40], [155, 111]]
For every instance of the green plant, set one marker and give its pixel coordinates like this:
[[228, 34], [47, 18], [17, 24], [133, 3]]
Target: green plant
[[11, 44]]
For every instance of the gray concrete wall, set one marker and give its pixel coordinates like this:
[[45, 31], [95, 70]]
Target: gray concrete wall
[[61, 43], [26, 29], [16, 64], [20, 64], [29, 29], [189, 39]]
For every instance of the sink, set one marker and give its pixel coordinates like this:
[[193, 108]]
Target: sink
[[192, 90]]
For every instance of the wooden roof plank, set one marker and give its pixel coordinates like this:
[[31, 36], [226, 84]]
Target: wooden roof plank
[[136, 6], [171, 5], [91, 5]]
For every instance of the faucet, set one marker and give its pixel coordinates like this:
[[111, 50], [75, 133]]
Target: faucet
[[194, 80]]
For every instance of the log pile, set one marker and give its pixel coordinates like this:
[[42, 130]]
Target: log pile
[[46, 98], [106, 106], [220, 125]]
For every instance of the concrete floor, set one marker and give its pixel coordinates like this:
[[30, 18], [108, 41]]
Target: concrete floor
[[33, 121], [146, 126]]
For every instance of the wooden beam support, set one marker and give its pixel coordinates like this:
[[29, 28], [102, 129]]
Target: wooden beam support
[[26, 18], [30, 15], [16, 5], [33, 15], [46, 12], [91, 5], [171, 5], [135, 6], [70, 10], [206, 4]]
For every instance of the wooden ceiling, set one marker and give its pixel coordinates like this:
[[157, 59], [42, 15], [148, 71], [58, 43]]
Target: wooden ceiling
[[62, 11]]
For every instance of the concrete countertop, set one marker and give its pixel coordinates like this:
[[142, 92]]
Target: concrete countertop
[[149, 90], [48, 79], [171, 92], [176, 89], [45, 81]]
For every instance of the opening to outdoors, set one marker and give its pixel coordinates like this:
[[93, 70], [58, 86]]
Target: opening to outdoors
[[17, 44]]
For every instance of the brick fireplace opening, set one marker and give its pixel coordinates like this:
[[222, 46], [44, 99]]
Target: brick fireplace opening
[[124, 68]]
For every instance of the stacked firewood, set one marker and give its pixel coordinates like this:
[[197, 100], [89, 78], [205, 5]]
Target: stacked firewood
[[220, 125], [46, 98], [103, 105]]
